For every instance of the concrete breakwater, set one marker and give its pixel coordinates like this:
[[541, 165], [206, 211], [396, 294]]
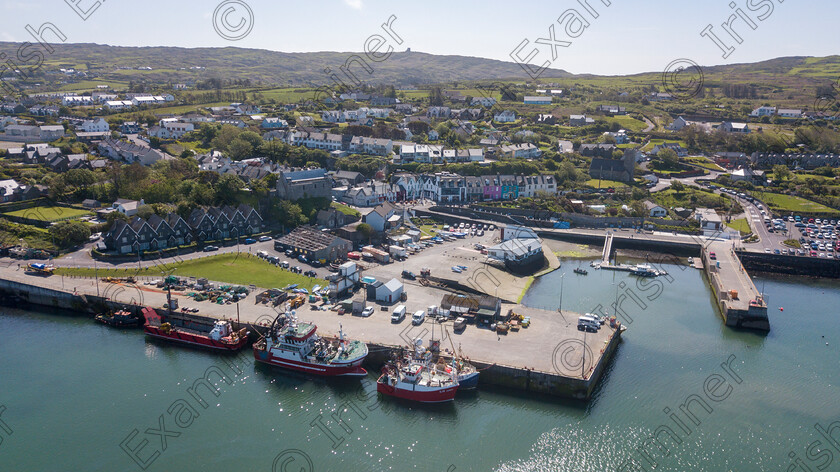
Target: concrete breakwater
[[570, 368]]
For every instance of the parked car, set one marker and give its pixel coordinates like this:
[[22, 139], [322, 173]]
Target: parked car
[[408, 275], [418, 318], [367, 311], [250, 240], [265, 238], [210, 248]]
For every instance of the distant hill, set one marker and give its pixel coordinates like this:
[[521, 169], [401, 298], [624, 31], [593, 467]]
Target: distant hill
[[402, 68]]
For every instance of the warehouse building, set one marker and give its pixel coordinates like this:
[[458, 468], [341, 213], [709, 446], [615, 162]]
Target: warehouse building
[[314, 244]]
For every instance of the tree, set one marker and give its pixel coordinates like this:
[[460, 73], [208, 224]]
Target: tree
[[70, 233], [240, 149], [365, 230], [677, 186], [781, 172], [228, 187], [668, 157]]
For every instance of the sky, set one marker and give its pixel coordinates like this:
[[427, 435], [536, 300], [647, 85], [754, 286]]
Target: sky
[[626, 37]]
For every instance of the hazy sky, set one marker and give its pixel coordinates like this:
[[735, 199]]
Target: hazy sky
[[627, 37]]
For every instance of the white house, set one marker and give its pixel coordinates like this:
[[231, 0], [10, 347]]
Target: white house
[[76, 100], [763, 111], [678, 124], [655, 211], [94, 126], [127, 207], [118, 104], [564, 146], [731, 127], [789, 113], [483, 101], [507, 116]]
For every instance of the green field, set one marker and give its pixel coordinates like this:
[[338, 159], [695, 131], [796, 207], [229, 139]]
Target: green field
[[173, 110], [788, 203], [346, 209], [741, 225], [233, 268], [627, 122], [595, 183], [702, 162], [49, 213], [91, 85]]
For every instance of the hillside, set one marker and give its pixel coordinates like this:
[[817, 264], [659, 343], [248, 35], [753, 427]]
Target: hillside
[[402, 68]]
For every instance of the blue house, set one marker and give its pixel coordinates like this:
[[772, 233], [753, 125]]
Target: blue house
[[274, 123]]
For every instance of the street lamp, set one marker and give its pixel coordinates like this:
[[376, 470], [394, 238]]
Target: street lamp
[[560, 308]]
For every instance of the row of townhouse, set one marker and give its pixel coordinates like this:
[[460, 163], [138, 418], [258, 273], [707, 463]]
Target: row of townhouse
[[157, 232], [342, 116], [435, 153], [128, 152], [808, 161], [19, 108], [452, 188]]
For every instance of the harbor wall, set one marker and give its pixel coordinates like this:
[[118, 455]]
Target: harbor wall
[[621, 240], [790, 265]]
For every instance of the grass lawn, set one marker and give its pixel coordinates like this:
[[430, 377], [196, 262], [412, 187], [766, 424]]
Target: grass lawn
[[789, 203], [702, 162], [346, 209], [239, 269], [49, 213], [595, 183], [741, 225], [627, 122]]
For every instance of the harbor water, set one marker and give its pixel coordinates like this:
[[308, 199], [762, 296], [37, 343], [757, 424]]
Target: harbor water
[[75, 395]]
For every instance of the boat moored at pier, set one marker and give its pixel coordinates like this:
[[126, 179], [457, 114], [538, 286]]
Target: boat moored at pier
[[295, 345], [220, 337], [417, 381]]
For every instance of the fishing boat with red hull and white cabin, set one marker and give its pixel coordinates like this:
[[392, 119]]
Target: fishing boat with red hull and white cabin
[[417, 381], [295, 345], [220, 337]]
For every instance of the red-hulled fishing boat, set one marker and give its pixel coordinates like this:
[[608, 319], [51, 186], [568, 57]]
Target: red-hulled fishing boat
[[220, 337]]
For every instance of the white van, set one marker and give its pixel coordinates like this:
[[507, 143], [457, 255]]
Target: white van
[[398, 313], [590, 318], [419, 317]]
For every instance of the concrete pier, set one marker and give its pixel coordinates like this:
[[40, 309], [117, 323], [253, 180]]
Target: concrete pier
[[740, 303]]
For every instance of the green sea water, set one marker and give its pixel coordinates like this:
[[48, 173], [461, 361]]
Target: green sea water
[[77, 396]]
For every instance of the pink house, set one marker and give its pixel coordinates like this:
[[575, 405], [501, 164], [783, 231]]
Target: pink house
[[492, 188]]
